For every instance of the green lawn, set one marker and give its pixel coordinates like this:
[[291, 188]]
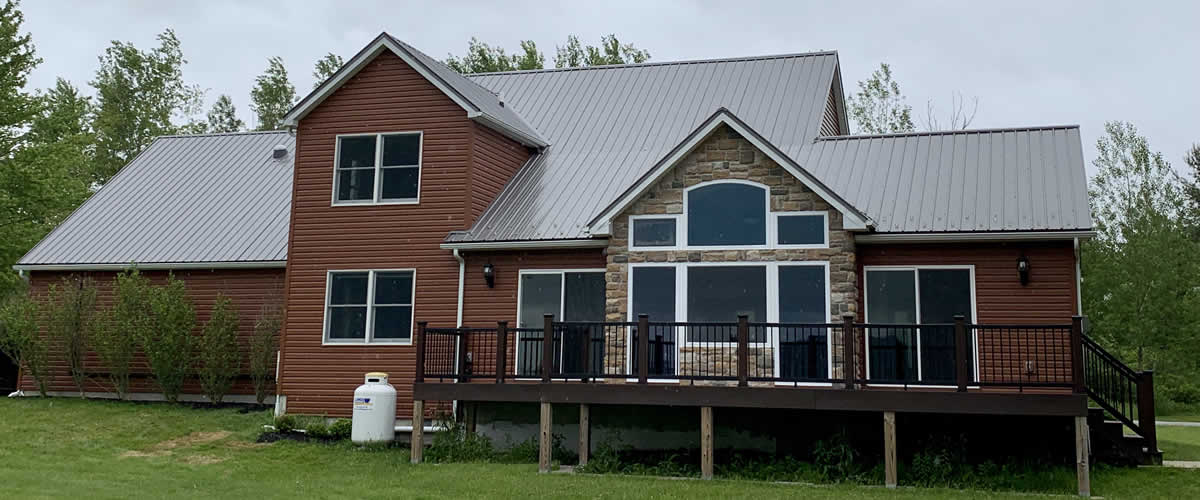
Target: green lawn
[[52, 448], [1179, 443]]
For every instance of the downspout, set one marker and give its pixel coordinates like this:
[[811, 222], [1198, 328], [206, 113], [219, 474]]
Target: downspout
[[462, 266], [1078, 282]]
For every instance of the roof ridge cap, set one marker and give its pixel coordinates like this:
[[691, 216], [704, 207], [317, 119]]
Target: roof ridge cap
[[794, 55], [220, 134], [945, 132]]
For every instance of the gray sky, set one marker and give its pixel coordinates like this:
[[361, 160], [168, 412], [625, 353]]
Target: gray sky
[[1029, 62]]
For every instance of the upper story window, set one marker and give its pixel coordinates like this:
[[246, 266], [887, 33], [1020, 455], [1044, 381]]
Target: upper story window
[[377, 168], [728, 214]]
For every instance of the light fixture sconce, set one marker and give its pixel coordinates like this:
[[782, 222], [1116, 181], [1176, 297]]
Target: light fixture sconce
[[489, 275], [1023, 269]]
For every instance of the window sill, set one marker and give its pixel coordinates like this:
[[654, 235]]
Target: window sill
[[357, 343], [373, 203]]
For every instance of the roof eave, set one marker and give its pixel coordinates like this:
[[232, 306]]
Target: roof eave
[[153, 266], [979, 236]]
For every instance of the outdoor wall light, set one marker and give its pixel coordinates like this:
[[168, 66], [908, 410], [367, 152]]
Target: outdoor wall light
[[1023, 269], [489, 275]]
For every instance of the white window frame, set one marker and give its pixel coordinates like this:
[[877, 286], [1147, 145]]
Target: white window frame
[[917, 297], [562, 295], [772, 296], [774, 236], [767, 220], [679, 243], [377, 189], [369, 336]]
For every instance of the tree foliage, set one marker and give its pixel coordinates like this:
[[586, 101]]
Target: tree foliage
[[218, 350], [18, 57], [272, 95], [139, 93], [121, 327], [222, 118], [325, 68], [484, 58], [70, 318], [878, 107], [21, 341], [264, 344], [168, 345], [1191, 190], [1140, 272]]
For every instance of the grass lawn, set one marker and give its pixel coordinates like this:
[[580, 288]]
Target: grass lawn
[[51, 448], [1179, 443]]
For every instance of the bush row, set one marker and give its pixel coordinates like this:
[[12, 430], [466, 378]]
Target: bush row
[[157, 320]]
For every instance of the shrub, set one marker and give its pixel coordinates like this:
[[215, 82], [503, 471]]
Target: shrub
[[120, 328], [264, 344], [168, 345], [71, 307], [21, 341], [455, 444], [285, 424], [341, 428], [835, 458], [316, 428], [218, 350]]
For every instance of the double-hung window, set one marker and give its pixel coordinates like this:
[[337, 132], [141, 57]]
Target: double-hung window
[[377, 168], [369, 306]]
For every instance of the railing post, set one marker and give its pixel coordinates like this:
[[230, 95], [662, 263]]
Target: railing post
[[960, 351], [1146, 420], [464, 337], [420, 375], [743, 350], [1077, 355], [585, 348], [547, 347], [501, 350], [848, 342], [643, 351]]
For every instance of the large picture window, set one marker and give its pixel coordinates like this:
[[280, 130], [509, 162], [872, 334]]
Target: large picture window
[[727, 214], [722, 293], [378, 168], [369, 306], [927, 296]]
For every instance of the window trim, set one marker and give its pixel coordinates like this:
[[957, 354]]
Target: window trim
[[562, 294], [679, 244], [369, 336], [772, 340], [377, 189], [917, 302], [773, 238], [767, 219]]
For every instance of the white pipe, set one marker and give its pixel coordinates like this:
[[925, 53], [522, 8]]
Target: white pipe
[[1078, 281], [462, 267]]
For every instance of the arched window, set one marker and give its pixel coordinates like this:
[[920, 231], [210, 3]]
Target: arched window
[[727, 214]]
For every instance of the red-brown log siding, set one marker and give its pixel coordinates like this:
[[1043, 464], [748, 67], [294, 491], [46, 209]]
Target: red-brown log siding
[[386, 96], [249, 290], [1048, 298]]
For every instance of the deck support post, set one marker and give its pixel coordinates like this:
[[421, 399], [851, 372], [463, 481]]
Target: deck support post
[[706, 442], [469, 416], [889, 449], [1081, 457], [1145, 404], [544, 438], [584, 434], [418, 431]]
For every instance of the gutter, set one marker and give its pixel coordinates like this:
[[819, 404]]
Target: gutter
[[980, 236], [157, 266], [524, 245]]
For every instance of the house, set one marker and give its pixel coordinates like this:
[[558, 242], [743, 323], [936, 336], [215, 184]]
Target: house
[[691, 234]]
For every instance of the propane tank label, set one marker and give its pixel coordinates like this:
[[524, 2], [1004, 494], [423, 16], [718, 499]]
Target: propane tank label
[[363, 403]]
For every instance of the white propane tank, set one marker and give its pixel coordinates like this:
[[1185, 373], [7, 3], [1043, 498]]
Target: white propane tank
[[374, 410]]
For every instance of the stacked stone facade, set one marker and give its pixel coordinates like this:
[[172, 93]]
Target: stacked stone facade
[[727, 155]]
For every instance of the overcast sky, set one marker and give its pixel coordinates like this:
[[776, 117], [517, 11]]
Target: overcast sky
[[1029, 63]]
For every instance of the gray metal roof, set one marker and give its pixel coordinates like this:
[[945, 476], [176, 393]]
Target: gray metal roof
[[185, 199], [608, 125], [973, 180]]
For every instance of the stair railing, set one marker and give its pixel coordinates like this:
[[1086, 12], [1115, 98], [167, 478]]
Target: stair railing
[[1126, 394]]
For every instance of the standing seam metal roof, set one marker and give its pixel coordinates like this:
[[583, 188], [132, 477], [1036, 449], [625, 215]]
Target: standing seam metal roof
[[185, 199]]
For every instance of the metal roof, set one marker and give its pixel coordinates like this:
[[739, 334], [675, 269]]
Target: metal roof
[[215, 198], [608, 125], [1022, 179]]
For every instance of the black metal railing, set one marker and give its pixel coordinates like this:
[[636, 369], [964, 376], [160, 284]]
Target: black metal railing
[[1126, 394]]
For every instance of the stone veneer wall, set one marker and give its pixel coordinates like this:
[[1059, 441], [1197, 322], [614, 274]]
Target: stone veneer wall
[[727, 155]]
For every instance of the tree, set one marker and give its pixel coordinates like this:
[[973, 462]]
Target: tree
[[878, 107], [21, 341], [218, 350], [71, 307], [484, 58], [1140, 271], [121, 327], [223, 116], [272, 95], [168, 344], [326, 67], [17, 59], [960, 118], [138, 94], [1191, 186], [264, 345]]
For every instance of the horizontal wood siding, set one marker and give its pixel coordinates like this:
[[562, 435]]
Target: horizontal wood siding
[[495, 160], [1048, 298], [248, 289], [386, 96]]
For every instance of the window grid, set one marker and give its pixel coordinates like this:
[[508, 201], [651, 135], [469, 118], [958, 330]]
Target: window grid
[[379, 169]]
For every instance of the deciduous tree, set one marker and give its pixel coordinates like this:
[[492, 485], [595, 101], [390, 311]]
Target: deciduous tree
[[168, 344], [218, 350], [222, 118], [878, 107], [71, 307], [484, 58], [272, 96], [325, 68]]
